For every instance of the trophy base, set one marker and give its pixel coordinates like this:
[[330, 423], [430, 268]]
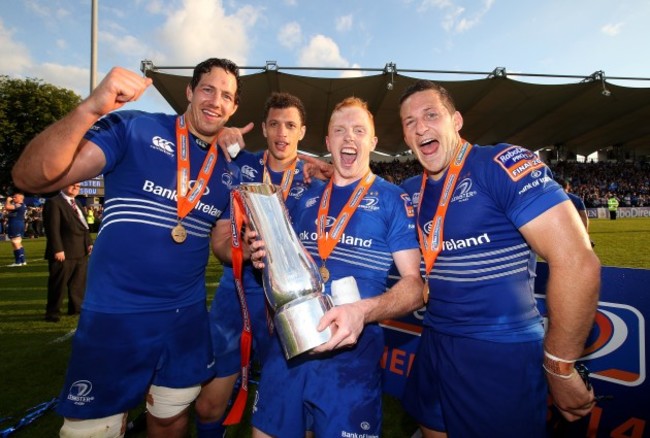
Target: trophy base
[[296, 324]]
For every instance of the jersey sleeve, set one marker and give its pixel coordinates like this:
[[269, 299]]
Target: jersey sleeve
[[109, 134], [521, 184], [401, 220]]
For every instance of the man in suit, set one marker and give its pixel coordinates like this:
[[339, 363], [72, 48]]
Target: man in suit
[[67, 250]]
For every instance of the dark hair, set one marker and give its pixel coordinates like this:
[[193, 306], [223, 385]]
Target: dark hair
[[423, 85], [282, 100], [207, 65]]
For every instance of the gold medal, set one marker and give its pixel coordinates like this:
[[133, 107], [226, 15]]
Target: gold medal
[[327, 241], [179, 234], [189, 194], [324, 273], [425, 291], [431, 245]]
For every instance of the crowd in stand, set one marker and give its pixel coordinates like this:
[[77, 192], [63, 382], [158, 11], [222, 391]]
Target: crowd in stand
[[396, 171], [629, 182], [593, 182]]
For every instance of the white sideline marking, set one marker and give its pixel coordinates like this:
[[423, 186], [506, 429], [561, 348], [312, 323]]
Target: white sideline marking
[[64, 337]]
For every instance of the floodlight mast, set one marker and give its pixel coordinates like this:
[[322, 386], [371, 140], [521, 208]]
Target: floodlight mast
[[93, 45]]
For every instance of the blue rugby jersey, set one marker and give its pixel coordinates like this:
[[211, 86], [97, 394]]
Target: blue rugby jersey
[[382, 224], [16, 220], [481, 285], [135, 265]]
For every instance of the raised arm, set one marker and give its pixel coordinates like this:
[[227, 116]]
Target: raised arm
[[59, 155], [231, 140]]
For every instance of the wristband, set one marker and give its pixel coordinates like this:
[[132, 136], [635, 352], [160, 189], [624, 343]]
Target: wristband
[[557, 359], [558, 367], [561, 376]]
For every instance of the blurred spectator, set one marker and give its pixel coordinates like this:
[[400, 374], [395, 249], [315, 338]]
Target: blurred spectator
[[3, 221], [612, 206], [90, 218], [34, 222], [67, 251], [16, 212]]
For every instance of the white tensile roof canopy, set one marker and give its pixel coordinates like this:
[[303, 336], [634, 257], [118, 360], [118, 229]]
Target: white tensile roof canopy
[[589, 115]]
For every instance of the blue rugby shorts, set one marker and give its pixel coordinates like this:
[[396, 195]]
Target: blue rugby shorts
[[115, 357], [470, 387]]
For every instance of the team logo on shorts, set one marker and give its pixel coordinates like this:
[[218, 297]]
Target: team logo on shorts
[[79, 392]]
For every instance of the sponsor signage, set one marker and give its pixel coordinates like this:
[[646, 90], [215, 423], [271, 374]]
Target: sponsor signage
[[603, 213], [615, 353], [92, 187]]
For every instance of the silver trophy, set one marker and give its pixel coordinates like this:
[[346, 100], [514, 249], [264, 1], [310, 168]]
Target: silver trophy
[[292, 284]]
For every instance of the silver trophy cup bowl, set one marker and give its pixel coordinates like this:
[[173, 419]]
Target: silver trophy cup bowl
[[292, 284]]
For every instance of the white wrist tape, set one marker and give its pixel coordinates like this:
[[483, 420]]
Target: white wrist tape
[[233, 149], [344, 291], [557, 359], [561, 376]]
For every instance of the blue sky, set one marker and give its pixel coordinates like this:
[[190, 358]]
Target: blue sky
[[50, 39]]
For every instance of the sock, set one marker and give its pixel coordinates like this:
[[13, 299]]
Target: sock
[[210, 430], [17, 255], [21, 255]]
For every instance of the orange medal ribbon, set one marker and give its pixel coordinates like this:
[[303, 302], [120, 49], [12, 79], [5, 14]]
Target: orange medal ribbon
[[187, 197], [287, 178], [237, 220], [327, 241], [432, 246]]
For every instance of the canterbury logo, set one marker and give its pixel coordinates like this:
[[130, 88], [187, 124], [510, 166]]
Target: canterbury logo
[[163, 145]]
